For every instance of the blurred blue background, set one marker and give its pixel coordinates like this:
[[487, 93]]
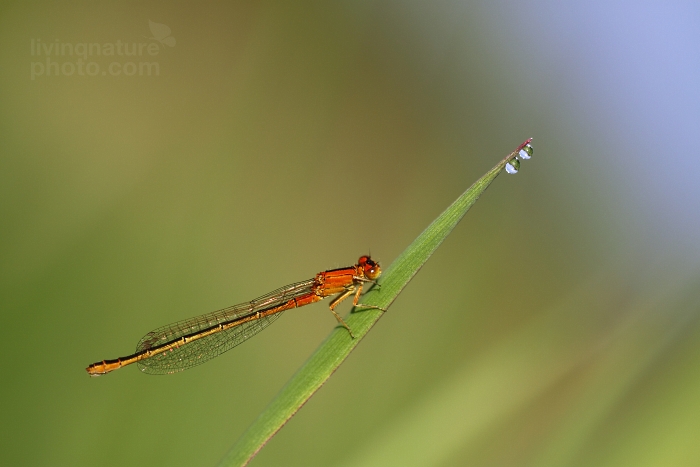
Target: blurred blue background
[[557, 325]]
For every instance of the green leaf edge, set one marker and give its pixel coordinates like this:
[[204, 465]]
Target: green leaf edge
[[337, 347]]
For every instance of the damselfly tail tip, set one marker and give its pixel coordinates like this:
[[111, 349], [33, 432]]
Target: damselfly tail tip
[[93, 371]]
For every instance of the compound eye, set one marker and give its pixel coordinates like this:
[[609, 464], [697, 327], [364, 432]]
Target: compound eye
[[373, 271]]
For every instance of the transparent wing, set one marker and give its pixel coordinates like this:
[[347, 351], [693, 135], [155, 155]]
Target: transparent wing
[[199, 351]]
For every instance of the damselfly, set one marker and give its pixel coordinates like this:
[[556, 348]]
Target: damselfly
[[193, 341]]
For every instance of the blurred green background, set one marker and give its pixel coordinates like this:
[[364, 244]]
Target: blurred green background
[[557, 325]]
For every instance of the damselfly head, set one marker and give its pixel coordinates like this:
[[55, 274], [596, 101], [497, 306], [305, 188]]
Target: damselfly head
[[371, 268]]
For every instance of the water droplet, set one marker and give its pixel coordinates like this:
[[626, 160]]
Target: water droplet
[[513, 166], [526, 152]]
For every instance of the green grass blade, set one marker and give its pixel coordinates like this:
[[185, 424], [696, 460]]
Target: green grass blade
[[319, 367]]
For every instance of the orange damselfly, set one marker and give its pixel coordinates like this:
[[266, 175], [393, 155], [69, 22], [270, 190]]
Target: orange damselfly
[[193, 341]]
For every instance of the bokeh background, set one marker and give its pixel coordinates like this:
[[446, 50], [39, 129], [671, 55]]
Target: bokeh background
[[557, 326]]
